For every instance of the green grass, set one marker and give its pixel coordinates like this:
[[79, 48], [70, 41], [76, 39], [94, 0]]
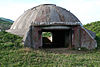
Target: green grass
[[14, 54], [46, 34], [41, 58], [94, 26]]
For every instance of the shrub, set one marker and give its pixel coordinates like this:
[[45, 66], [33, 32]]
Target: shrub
[[8, 40]]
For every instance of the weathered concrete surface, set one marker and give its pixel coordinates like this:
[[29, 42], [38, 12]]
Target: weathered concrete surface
[[82, 38], [93, 34], [33, 38], [75, 37], [87, 40]]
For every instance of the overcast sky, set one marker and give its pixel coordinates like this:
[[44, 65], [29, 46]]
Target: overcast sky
[[86, 10]]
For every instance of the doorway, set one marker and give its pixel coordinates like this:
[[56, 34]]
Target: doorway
[[59, 38]]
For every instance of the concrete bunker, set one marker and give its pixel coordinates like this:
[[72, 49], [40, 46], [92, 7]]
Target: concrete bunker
[[67, 30]]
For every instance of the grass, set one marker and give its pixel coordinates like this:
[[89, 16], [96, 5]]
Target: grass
[[25, 57], [14, 54]]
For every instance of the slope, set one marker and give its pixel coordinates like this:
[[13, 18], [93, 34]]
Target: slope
[[5, 23]]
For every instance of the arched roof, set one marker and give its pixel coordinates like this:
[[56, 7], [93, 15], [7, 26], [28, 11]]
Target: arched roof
[[44, 13]]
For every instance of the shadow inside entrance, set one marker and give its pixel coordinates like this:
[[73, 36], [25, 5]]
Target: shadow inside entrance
[[60, 39]]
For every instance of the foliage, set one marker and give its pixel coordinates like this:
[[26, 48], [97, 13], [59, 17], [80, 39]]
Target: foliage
[[8, 40], [46, 34], [98, 41], [94, 26], [4, 24]]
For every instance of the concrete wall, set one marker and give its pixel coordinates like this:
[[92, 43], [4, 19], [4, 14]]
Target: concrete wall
[[77, 39], [82, 38], [33, 37]]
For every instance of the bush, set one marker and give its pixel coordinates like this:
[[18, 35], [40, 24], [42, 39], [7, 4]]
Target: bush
[[6, 45], [94, 26], [98, 41], [8, 40], [47, 34]]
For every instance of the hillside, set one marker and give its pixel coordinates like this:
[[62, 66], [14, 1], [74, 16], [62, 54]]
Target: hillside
[[5, 19], [5, 23]]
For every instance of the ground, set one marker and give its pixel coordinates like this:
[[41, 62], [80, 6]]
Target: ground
[[58, 57]]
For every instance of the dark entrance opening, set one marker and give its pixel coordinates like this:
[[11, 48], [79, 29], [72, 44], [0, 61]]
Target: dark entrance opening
[[60, 38]]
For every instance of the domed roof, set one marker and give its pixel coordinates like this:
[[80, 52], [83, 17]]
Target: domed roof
[[44, 13]]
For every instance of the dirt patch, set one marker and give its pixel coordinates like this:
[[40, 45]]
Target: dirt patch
[[64, 51], [27, 49]]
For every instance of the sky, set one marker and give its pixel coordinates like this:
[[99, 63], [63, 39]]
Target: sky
[[85, 10]]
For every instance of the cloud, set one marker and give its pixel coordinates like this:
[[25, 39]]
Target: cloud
[[14, 10]]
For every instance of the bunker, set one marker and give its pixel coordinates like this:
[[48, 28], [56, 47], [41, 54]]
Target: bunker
[[67, 31]]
